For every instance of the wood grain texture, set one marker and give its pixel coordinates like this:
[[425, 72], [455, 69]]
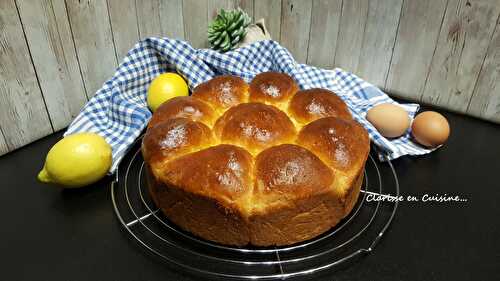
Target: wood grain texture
[[378, 40], [350, 38], [325, 22], [148, 18], [123, 18], [214, 7], [247, 6], [485, 101], [460, 51], [196, 27], [418, 31], [171, 19], [3, 144], [295, 27], [53, 53], [93, 40], [270, 11], [23, 115]]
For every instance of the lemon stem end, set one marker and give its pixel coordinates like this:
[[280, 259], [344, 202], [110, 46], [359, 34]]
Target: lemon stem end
[[43, 176]]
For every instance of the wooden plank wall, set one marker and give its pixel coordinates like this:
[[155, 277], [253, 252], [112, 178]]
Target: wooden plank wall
[[54, 54]]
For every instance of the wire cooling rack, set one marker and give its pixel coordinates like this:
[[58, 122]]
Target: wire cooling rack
[[355, 236]]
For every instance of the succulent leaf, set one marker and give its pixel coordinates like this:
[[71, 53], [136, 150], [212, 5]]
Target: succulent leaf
[[228, 29]]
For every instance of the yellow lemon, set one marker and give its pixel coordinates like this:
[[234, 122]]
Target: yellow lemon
[[165, 87], [77, 160]]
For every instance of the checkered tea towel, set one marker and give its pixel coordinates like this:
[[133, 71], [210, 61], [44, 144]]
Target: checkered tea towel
[[119, 112]]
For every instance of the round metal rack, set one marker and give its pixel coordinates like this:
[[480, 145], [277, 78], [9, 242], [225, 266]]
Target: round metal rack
[[354, 236]]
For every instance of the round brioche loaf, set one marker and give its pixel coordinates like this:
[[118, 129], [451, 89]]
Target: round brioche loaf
[[262, 164]]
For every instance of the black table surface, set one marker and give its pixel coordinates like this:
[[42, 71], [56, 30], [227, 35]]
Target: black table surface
[[53, 234]]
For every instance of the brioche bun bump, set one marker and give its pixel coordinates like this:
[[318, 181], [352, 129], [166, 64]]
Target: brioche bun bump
[[221, 172], [272, 88], [254, 126], [187, 107], [289, 171], [222, 92], [262, 164], [342, 144], [174, 137], [309, 105]]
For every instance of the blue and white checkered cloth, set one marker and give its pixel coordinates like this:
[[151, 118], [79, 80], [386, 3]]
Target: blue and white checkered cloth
[[119, 112]]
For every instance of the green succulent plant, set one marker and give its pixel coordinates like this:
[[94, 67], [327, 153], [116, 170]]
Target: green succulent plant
[[228, 29]]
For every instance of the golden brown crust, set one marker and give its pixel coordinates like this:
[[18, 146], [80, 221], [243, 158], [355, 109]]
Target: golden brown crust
[[306, 218], [238, 172], [187, 107], [343, 144], [254, 126], [174, 137], [280, 224], [289, 171], [309, 105], [199, 214], [272, 87], [222, 91], [220, 172]]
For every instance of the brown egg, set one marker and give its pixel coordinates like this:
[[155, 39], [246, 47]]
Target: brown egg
[[390, 120], [430, 129]]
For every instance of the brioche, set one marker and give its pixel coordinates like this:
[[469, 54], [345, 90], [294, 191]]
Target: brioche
[[262, 164]]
